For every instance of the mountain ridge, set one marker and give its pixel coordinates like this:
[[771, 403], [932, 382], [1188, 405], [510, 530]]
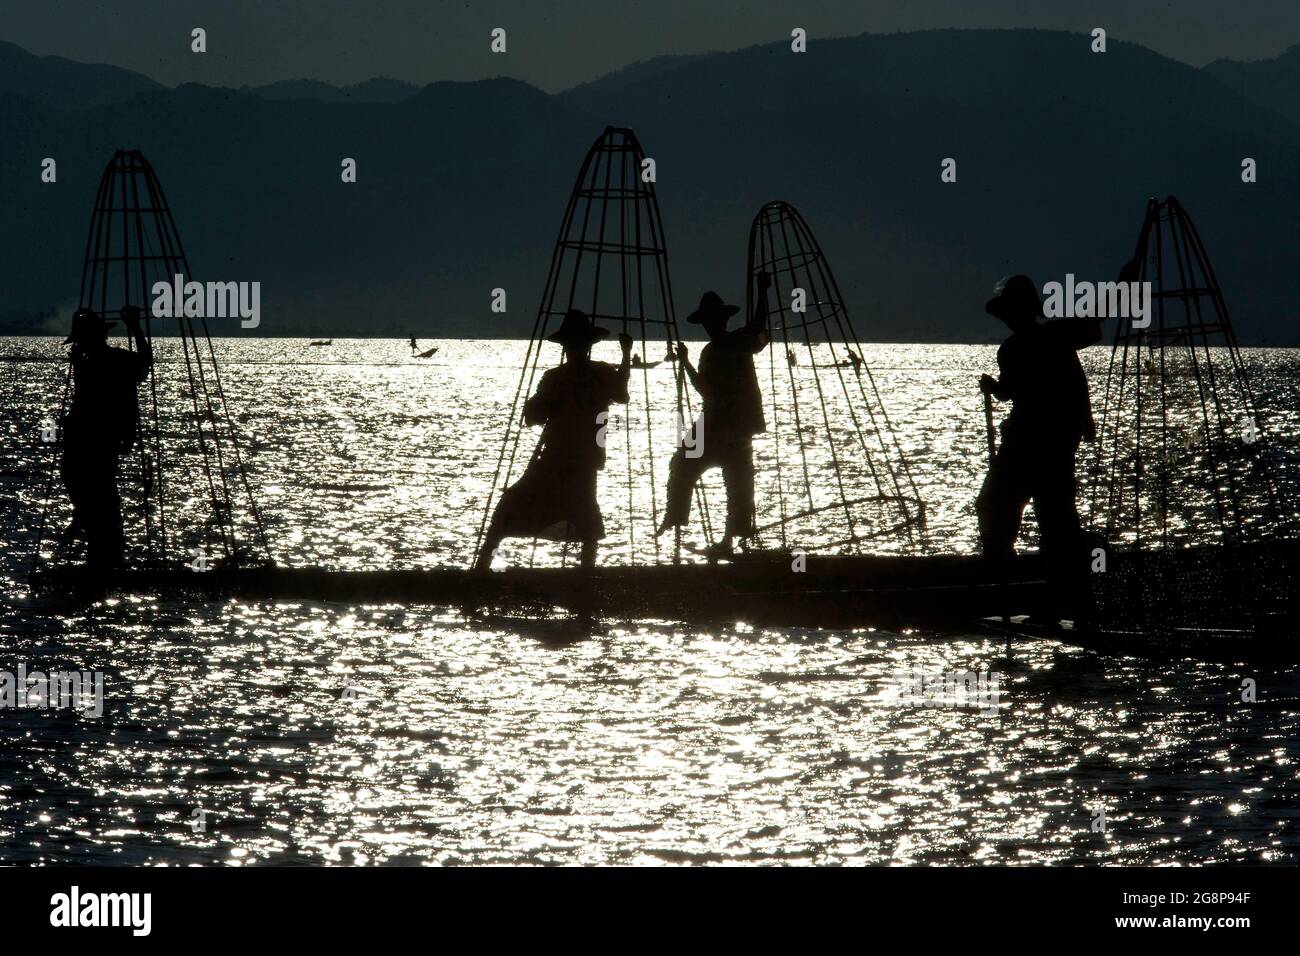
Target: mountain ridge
[[461, 185]]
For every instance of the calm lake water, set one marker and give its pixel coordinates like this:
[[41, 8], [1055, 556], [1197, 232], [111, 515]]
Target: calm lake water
[[244, 733]]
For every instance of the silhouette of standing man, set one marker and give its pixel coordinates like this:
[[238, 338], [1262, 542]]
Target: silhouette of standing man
[[100, 427], [732, 415], [556, 496], [1050, 414]]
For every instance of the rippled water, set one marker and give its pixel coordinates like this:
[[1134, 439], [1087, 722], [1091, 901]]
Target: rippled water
[[239, 732]]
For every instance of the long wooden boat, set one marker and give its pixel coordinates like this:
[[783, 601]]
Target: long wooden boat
[[1192, 600], [841, 592]]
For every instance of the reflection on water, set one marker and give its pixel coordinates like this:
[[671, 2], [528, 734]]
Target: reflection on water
[[240, 733]]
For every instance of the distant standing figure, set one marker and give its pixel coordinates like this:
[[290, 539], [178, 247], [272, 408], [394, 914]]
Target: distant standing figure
[[732, 415], [556, 495], [100, 427], [414, 346], [1050, 414]]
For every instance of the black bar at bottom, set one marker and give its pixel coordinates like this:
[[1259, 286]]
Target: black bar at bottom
[[477, 906]]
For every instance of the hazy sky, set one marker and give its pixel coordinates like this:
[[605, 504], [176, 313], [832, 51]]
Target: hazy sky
[[557, 43]]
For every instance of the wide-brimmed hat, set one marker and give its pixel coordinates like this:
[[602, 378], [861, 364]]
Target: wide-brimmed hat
[[712, 307], [85, 323], [576, 329], [1015, 296]]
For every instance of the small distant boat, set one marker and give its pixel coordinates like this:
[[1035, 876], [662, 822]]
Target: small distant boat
[[638, 362], [416, 353], [321, 342]]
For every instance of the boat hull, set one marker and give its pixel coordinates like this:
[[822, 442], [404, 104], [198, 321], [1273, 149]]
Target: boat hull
[[864, 591], [1188, 600]]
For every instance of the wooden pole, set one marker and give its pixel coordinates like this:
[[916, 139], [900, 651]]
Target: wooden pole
[[988, 427], [991, 436]]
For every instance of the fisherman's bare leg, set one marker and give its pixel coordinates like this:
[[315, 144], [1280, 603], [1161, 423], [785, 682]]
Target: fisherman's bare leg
[[98, 508], [1001, 506], [1063, 541], [490, 544], [683, 473], [112, 543], [738, 476], [73, 469], [1055, 507]]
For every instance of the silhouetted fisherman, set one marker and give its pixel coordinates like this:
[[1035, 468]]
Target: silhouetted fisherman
[[414, 346], [1050, 414], [556, 495], [100, 427], [731, 416]]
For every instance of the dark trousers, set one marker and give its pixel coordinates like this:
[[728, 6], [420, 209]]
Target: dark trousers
[[1023, 471], [554, 498], [89, 473], [734, 454]]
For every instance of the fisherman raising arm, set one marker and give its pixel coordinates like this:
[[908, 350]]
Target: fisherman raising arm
[[556, 495], [732, 414], [100, 427]]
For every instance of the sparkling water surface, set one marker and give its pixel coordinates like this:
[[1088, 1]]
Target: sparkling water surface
[[238, 732]]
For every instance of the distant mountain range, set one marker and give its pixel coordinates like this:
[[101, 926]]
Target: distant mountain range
[[461, 185], [66, 84], [69, 85], [1275, 83], [380, 89]]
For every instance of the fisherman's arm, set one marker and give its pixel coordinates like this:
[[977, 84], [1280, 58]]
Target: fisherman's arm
[[537, 409], [1003, 387], [144, 351], [995, 387], [1085, 332], [1077, 333], [624, 370], [684, 356], [757, 326]]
